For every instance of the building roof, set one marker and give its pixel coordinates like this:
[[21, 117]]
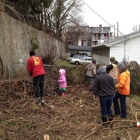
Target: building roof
[[80, 48], [119, 39]]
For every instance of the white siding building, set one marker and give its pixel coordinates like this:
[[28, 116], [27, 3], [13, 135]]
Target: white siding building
[[122, 48]]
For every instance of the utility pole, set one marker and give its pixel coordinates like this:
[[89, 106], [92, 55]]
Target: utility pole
[[114, 31], [117, 29]]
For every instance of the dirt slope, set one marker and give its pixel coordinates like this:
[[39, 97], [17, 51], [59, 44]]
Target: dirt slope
[[75, 117]]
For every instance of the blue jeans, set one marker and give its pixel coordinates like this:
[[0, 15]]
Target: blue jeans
[[105, 104], [117, 109], [114, 81], [90, 79]]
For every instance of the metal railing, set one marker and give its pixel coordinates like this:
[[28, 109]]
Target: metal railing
[[22, 68]]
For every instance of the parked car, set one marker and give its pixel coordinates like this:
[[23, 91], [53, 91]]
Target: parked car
[[84, 60], [79, 55]]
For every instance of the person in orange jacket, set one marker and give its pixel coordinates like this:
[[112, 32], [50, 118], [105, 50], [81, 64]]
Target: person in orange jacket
[[123, 89]]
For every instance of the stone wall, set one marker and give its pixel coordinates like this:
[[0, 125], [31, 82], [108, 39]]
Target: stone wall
[[15, 43]]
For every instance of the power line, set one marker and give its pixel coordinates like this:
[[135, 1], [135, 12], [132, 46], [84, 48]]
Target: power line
[[102, 17]]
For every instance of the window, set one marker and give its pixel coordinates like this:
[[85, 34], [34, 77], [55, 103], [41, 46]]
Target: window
[[90, 59], [84, 58], [97, 29], [93, 36], [89, 30], [102, 29]]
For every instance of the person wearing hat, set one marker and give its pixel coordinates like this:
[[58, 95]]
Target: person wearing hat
[[123, 89], [112, 69], [91, 71]]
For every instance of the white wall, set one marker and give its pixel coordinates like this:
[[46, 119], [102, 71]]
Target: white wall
[[133, 49], [117, 51], [101, 59], [131, 53]]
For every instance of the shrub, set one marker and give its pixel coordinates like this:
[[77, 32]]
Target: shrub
[[134, 69]]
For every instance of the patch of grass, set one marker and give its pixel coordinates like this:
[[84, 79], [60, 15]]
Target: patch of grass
[[137, 98], [64, 63]]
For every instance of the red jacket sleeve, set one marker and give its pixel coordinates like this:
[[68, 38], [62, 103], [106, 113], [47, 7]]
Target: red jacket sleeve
[[29, 66]]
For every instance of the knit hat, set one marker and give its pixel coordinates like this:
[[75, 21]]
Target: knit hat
[[94, 61], [120, 65], [112, 59]]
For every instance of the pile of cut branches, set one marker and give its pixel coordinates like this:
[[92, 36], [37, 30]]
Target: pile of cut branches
[[75, 117]]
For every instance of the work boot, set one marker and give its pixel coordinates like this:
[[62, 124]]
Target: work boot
[[104, 119], [110, 118], [43, 101], [38, 101]]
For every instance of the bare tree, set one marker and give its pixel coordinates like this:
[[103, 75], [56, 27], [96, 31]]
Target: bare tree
[[60, 13], [75, 33]]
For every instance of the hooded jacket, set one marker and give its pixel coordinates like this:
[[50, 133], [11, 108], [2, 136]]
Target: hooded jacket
[[91, 70], [123, 83], [62, 79], [103, 85]]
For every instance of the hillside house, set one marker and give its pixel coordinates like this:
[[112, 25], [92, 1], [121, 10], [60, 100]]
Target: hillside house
[[87, 36], [99, 35], [126, 48]]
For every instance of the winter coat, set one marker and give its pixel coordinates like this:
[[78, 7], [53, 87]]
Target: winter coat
[[91, 70], [123, 83], [62, 79], [103, 85], [35, 66], [112, 70]]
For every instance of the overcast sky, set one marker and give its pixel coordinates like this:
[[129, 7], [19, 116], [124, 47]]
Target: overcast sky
[[125, 12]]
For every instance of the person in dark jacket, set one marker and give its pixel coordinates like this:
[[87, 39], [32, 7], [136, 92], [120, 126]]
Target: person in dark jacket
[[35, 68], [104, 88]]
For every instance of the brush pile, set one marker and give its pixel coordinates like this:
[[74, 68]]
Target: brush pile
[[75, 117]]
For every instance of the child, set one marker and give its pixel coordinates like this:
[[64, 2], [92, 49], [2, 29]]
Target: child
[[62, 82]]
